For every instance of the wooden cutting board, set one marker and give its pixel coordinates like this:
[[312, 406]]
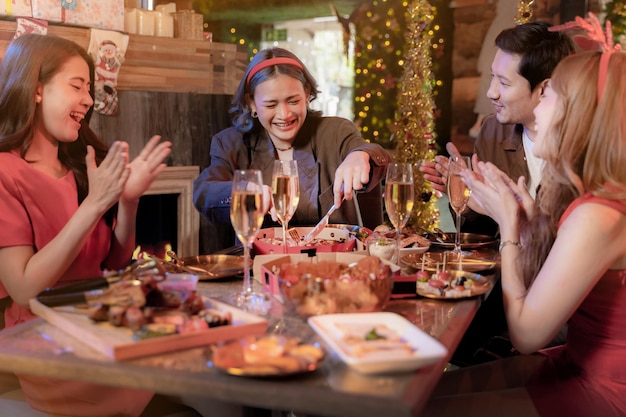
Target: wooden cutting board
[[117, 342]]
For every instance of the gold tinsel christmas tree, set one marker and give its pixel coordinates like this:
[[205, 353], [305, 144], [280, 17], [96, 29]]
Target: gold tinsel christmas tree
[[414, 125], [524, 11], [616, 14]]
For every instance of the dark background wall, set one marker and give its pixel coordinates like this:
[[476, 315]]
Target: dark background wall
[[188, 120]]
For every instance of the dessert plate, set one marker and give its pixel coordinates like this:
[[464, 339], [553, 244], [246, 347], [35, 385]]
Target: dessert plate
[[480, 285], [378, 343]]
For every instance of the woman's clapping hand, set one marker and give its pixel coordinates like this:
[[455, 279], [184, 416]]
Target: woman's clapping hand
[[146, 167], [106, 181], [497, 195]]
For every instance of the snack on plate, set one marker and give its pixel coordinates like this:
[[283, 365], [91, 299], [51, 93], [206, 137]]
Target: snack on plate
[[330, 239], [315, 242], [267, 355], [331, 287], [372, 340], [443, 285], [408, 238], [363, 233], [413, 240]]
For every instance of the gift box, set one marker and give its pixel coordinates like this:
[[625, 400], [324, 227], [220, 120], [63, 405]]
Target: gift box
[[99, 14], [16, 8], [49, 10]]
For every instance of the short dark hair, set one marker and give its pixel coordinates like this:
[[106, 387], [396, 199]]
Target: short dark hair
[[541, 50]]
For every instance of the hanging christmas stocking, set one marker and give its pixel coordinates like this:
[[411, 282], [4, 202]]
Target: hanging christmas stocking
[[29, 25], [107, 48]]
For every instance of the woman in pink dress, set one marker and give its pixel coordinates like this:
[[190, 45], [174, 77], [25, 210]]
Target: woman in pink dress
[[68, 201], [563, 257]]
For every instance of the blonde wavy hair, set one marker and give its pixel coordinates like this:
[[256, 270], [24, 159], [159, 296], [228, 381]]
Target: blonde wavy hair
[[584, 150]]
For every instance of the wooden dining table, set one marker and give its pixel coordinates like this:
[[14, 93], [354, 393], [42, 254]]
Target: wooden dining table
[[334, 389]]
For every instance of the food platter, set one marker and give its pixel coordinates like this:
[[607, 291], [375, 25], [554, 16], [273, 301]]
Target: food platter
[[481, 285], [119, 343], [330, 239], [208, 267], [267, 357], [433, 261], [408, 347], [468, 241]]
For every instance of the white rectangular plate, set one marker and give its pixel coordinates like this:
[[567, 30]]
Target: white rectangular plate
[[426, 349]]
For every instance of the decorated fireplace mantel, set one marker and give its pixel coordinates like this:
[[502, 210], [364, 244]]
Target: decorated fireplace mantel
[[163, 64]]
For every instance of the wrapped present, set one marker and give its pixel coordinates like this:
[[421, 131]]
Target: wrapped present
[[15, 8], [96, 14], [49, 10], [100, 14]]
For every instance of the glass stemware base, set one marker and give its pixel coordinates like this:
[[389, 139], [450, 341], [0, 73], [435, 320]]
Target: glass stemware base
[[454, 254], [456, 258], [253, 302]]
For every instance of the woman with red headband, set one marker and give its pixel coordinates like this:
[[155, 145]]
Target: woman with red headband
[[272, 120], [563, 256]]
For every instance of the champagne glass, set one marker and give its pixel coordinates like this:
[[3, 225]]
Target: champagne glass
[[246, 216], [458, 194], [285, 193], [399, 197]]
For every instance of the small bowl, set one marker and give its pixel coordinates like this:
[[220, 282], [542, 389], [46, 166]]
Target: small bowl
[[329, 287], [379, 241], [181, 284], [381, 247]]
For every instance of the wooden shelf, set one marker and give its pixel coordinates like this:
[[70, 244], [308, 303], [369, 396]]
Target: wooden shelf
[[163, 64]]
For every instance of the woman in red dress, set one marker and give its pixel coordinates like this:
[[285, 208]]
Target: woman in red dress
[[563, 256], [68, 201]]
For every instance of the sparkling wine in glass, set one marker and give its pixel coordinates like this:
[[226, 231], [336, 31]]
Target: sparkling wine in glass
[[246, 216], [399, 197], [285, 193], [458, 194]]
